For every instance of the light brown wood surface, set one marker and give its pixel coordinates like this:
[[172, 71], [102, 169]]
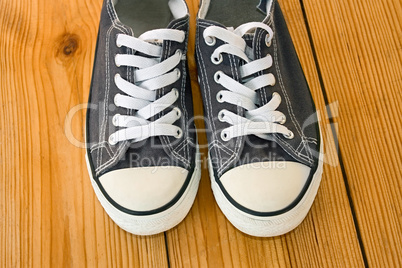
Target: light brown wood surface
[[351, 52], [360, 57]]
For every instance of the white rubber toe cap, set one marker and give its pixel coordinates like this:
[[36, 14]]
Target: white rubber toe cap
[[145, 188], [266, 186]]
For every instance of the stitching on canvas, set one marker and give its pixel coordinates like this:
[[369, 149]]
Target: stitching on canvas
[[99, 147], [298, 154], [205, 81], [183, 89], [205, 25], [122, 145], [103, 126], [293, 152], [224, 148], [102, 131], [238, 139], [292, 115], [112, 160], [312, 140], [300, 144], [183, 145], [185, 161], [259, 54]]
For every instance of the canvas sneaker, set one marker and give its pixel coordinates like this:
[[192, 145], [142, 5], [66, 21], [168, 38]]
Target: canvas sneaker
[[141, 146], [262, 128]]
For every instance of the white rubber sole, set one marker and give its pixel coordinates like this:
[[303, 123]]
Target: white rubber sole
[[271, 225], [155, 223]]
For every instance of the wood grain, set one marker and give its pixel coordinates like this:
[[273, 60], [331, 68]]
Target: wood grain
[[359, 51], [206, 238], [50, 216]]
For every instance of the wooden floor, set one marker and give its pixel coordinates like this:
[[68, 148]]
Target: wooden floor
[[351, 52]]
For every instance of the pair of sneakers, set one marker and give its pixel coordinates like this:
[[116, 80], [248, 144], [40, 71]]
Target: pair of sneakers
[[261, 124]]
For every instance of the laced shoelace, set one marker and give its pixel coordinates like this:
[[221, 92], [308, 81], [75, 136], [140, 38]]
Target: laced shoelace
[[150, 74], [257, 120]]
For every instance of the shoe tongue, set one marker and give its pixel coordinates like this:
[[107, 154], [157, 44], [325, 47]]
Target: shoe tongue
[[172, 25], [265, 6], [231, 29], [157, 42], [249, 38], [258, 43]]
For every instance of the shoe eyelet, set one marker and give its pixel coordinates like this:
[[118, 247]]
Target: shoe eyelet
[[225, 136], [290, 135], [217, 61], [276, 94], [219, 97], [218, 76], [115, 60], [115, 119], [210, 40], [178, 112], [178, 73], [268, 42], [179, 134], [176, 92], [221, 115], [283, 120], [271, 76], [112, 140], [178, 51]]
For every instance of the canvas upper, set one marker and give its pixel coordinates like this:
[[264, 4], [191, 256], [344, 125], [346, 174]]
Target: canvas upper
[[251, 191], [105, 158]]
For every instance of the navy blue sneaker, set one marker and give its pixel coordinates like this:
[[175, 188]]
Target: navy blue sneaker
[[142, 153], [263, 132]]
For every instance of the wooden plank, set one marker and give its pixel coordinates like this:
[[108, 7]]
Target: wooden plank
[[326, 238], [49, 215], [359, 51]]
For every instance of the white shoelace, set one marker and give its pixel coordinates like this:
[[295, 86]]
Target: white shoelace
[[150, 74], [258, 120]]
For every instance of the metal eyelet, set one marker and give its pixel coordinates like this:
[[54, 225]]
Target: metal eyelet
[[271, 76], [176, 92], [112, 140], [178, 51], [178, 112], [221, 115], [178, 73], [115, 120], [219, 97], [225, 136], [211, 42], [217, 61], [290, 135], [179, 134], [283, 120], [276, 94], [217, 76], [268, 42]]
